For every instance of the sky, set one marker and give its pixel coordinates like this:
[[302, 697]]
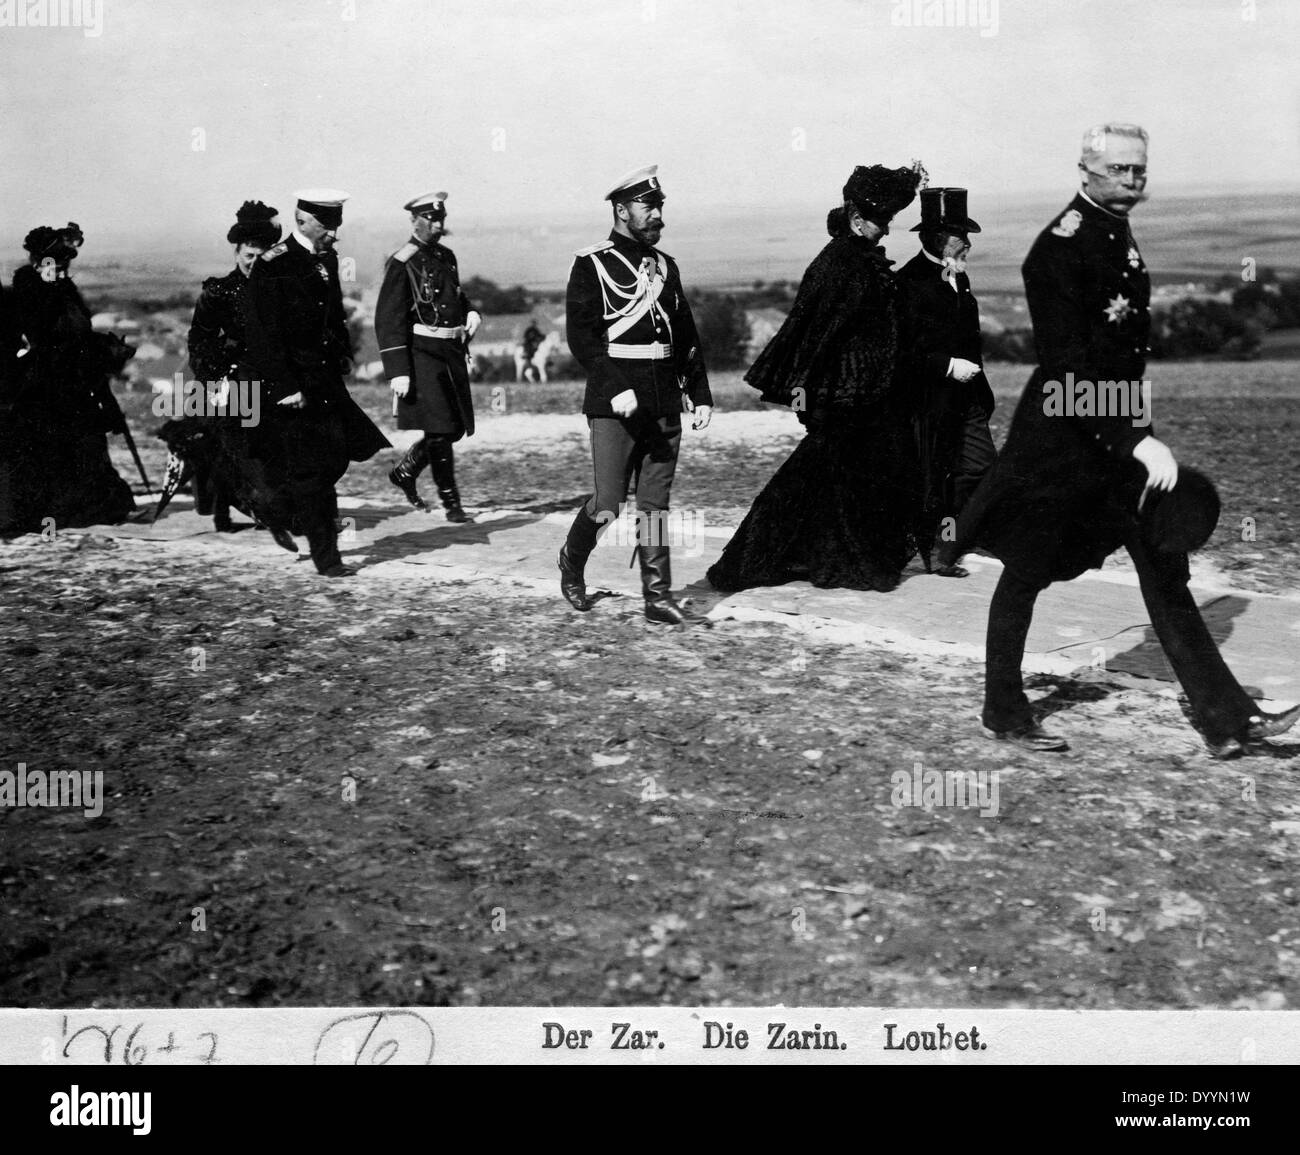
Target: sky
[[177, 110]]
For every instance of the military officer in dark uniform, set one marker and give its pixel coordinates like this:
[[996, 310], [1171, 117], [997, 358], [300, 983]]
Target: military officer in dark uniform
[[943, 364], [297, 346], [423, 322], [631, 329], [1071, 484]]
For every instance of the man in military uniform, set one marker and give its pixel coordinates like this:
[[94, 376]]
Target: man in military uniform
[[631, 329], [1072, 482], [943, 363], [297, 347], [423, 322]]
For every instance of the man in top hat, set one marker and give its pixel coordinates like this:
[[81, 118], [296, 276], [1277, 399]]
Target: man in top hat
[[1067, 489], [297, 347], [423, 322], [631, 329], [942, 363]]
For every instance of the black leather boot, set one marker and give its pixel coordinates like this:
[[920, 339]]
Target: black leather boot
[[573, 558], [443, 467], [657, 583], [404, 473]]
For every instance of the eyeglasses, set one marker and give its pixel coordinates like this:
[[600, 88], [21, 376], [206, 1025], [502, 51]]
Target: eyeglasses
[[1115, 171]]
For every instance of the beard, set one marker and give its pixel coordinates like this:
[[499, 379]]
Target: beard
[[647, 235]]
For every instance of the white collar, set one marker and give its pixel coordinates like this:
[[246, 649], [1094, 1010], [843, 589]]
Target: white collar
[[931, 257], [1118, 216], [306, 244]]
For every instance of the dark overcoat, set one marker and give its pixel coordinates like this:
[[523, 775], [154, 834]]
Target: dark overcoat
[[296, 341], [1064, 490], [421, 290], [938, 324]]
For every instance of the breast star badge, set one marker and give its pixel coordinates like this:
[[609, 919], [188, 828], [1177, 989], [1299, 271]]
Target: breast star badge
[[1118, 309]]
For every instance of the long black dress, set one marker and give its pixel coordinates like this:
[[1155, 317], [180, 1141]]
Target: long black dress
[[217, 446], [842, 509], [56, 412]]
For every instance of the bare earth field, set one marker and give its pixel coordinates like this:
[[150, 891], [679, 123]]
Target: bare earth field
[[419, 791]]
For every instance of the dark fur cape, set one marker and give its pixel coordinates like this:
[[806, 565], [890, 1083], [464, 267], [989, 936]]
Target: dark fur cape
[[840, 341]]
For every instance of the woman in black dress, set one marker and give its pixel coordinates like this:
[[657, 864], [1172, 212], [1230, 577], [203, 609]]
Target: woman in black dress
[[841, 510], [57, 407], [215, 448]]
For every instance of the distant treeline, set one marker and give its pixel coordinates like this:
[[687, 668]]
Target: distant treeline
[[1227, 319]]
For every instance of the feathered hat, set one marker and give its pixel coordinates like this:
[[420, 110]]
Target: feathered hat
[[878, 192], [44, 241], [255, 224]]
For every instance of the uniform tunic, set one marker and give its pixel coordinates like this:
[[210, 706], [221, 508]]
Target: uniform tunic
[[629, 295], [1064, 491], [421, 292]]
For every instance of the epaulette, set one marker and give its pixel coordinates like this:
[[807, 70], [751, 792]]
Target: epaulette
[[276, 251], [590, 249], [1068, 225], [406, 252]]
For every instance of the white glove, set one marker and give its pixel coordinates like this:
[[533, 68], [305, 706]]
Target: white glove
[[963, 370], [294, 401], [472, 322], [703, 415], [400, 385], [624, 404], [1162, 469]]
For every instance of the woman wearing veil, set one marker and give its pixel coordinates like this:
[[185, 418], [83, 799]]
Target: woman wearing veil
[[841, 510]]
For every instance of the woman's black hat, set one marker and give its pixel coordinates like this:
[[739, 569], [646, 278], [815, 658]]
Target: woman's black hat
[[255, 224], [878, 192]]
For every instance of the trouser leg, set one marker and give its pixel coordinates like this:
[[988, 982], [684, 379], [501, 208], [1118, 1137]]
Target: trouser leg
[[1217, 699], [974, 456], [1010, 613]]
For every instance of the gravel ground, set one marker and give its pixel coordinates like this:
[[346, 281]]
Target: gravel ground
[[448, 792]]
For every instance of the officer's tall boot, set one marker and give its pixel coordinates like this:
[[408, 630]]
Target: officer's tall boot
[[573, 558], [657, 583], [404, 473], [443, 467]]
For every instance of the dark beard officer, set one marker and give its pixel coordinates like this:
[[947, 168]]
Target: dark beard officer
[[631, 329]]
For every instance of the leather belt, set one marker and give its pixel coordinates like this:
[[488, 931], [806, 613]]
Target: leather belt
[[455, 333], [652, 352]]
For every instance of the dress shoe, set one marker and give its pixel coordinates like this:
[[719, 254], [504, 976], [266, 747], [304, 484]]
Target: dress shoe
[[339, 570], [1263, 726], [1032, 737], [1257, 728], [952, 571], [284, 539]]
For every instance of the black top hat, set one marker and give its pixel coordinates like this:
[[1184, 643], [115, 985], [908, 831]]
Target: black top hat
[[945, 208], [1181, 519]]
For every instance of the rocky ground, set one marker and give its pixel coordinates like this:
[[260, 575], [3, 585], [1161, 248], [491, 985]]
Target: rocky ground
[[427, 791]]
